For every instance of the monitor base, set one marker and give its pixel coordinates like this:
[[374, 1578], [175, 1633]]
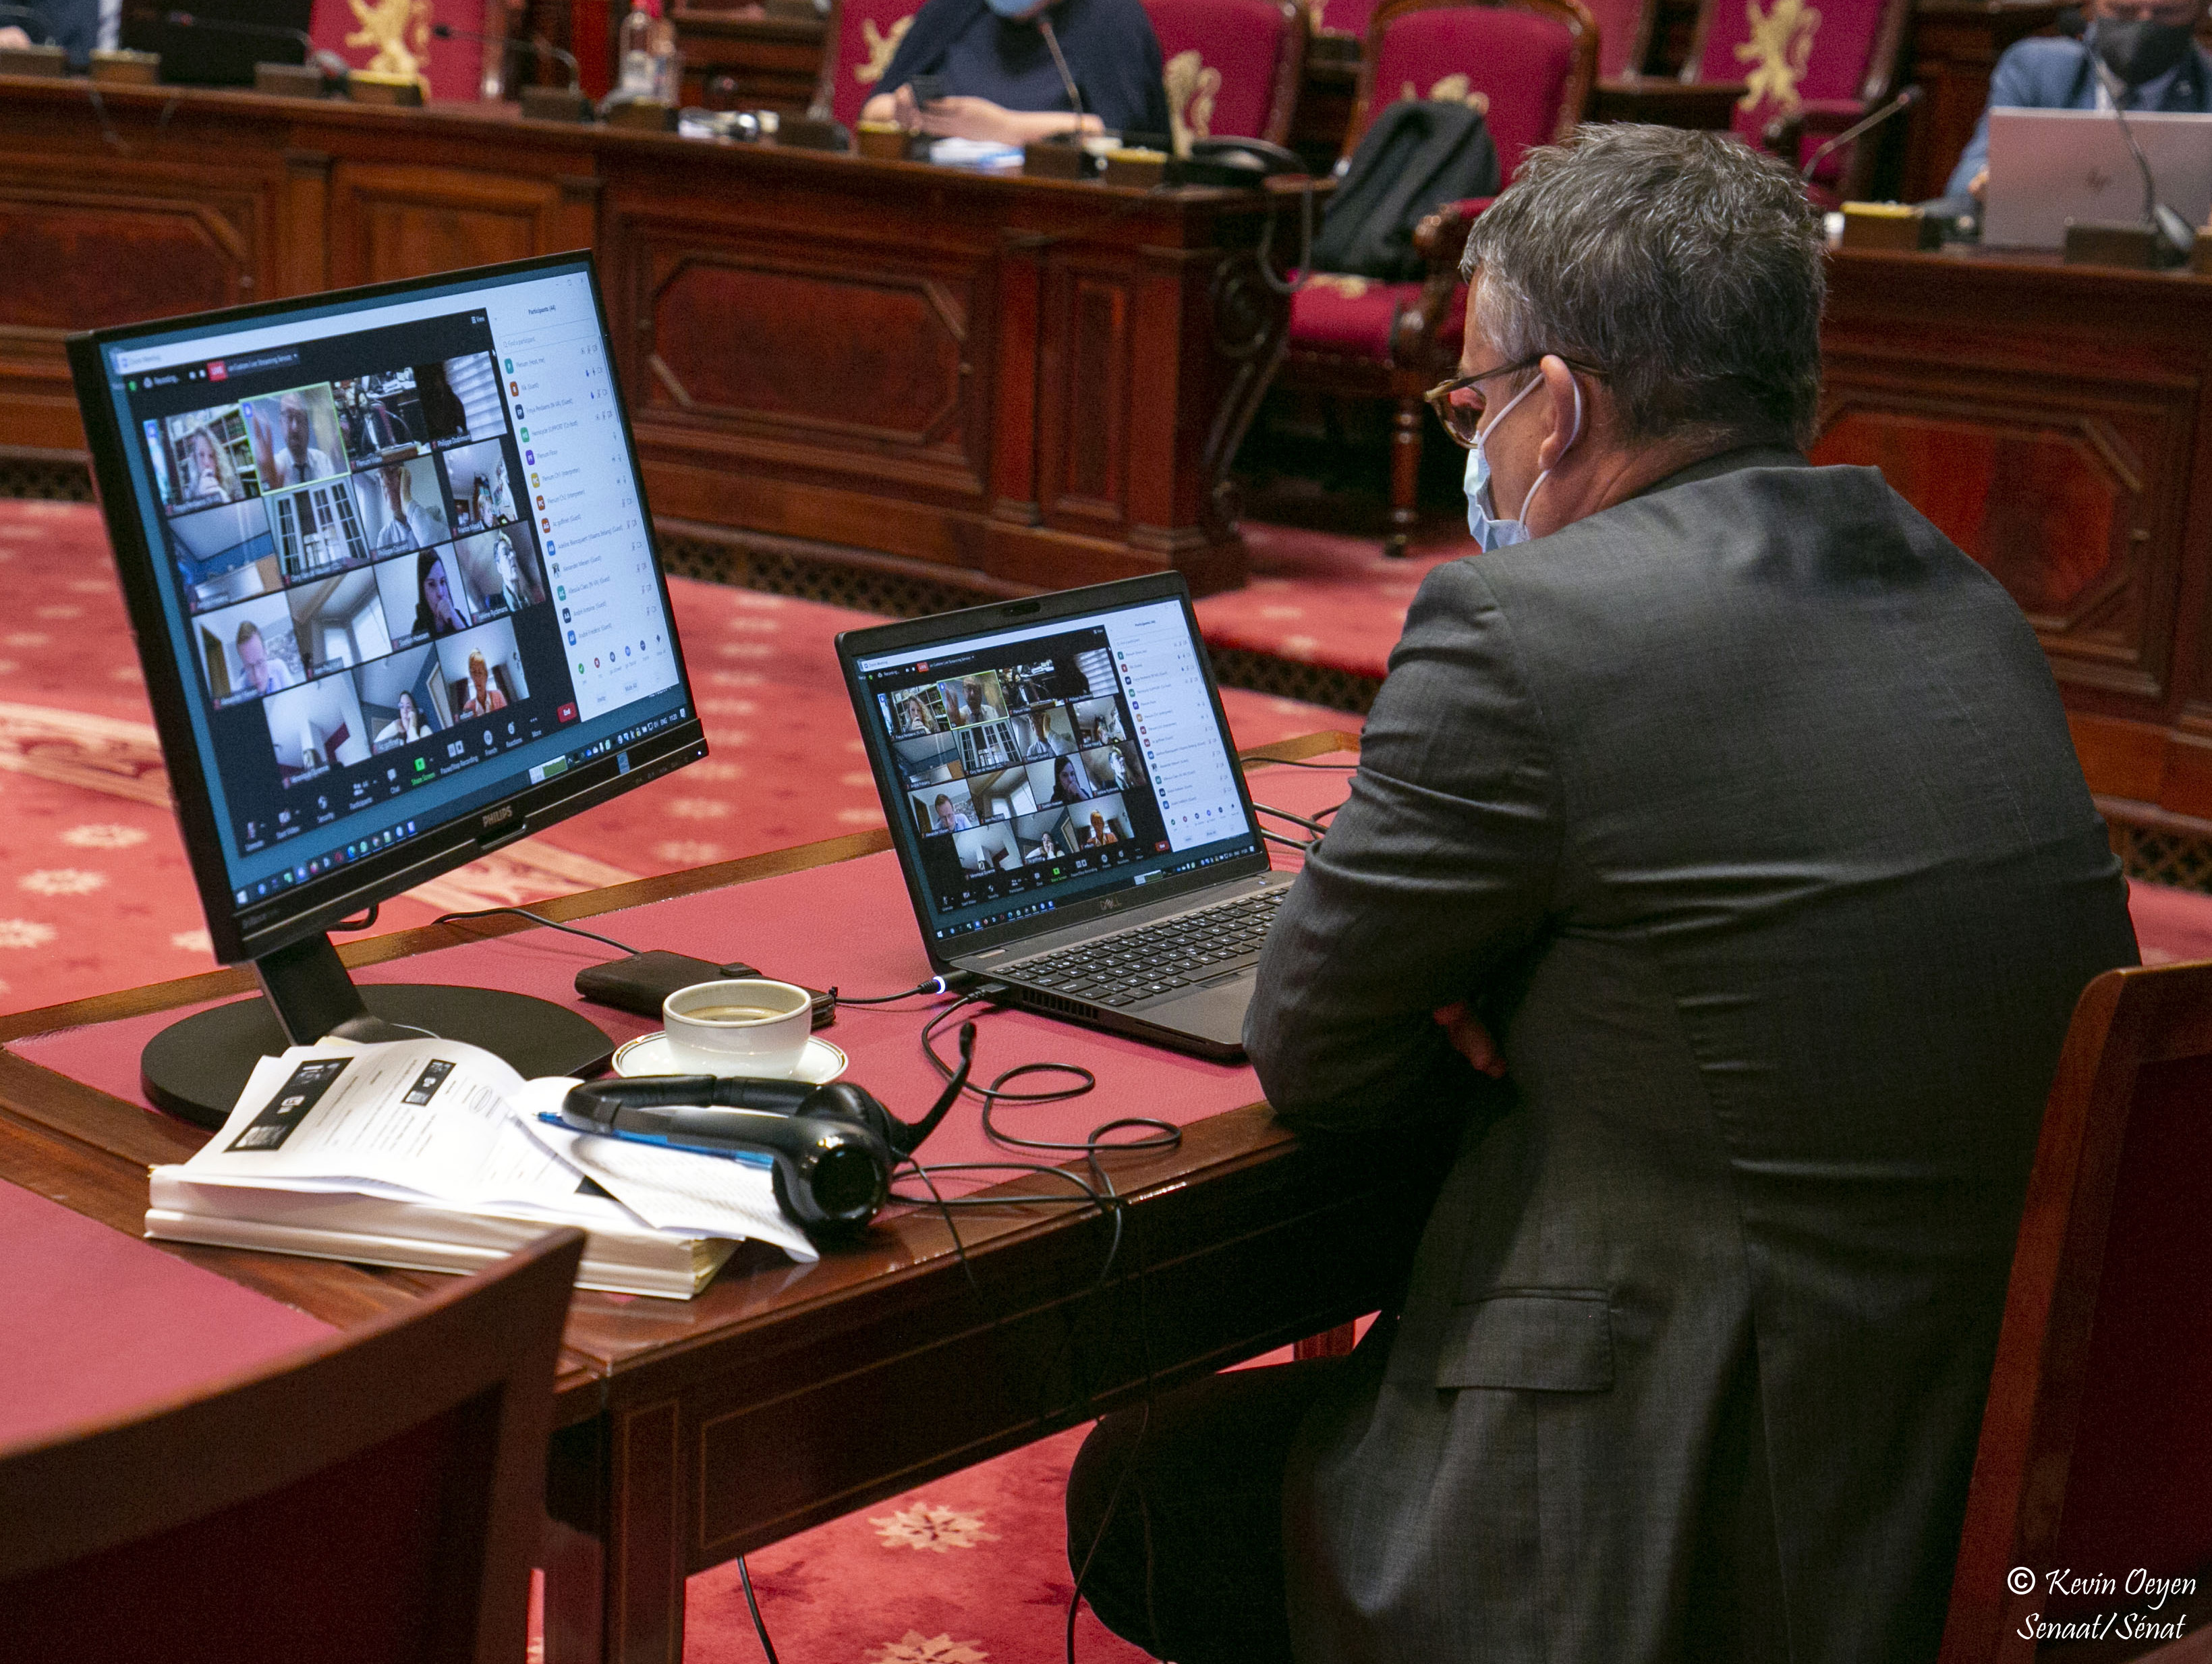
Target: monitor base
[[197, 1067]]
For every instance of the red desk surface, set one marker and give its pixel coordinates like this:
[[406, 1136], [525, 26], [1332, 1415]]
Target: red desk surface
[[848, 925], [95, 1323]]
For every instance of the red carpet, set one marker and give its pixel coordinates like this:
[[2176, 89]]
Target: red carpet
[[94, 894]]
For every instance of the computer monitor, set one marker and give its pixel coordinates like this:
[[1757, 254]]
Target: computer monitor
[[388, 558]]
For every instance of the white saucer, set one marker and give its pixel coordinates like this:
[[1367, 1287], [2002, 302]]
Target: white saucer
[[648, 1055]]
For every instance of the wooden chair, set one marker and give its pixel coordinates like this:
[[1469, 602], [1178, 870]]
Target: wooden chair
[[2096, 1445], [862, 35], [379, 1496], [1531, 63], [456, 70], [1233, 67], [1799, 73]]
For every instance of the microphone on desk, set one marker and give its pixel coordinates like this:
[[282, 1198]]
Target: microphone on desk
[[334, 69], [2170, 237], [1066, 80], [1905, 100], [510, 43]]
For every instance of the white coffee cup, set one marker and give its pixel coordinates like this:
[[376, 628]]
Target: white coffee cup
[[744, 1026]]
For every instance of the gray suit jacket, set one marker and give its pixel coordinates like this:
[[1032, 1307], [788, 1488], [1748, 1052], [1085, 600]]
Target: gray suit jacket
[[1747, 812]]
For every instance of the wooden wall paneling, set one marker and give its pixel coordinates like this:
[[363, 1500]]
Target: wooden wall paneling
[[1014, 489], [2052, 440], [1084, 384], [413, 220], [804, 360], [91, 239]]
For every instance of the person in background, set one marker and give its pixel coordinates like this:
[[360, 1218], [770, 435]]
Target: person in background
[[263, 672], [1072, 782], [950, 816], [408, 524], [2150, 45], [914, 716], [206, 476], [413, 725], [1000, 83], [78, 27], [436, 612], [483, 698]]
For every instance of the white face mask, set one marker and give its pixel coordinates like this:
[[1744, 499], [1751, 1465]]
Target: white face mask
[[1489, 531]]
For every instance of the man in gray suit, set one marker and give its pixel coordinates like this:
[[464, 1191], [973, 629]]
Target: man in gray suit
[[1718, 873]]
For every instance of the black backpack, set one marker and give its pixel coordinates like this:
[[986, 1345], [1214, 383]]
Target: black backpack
[[1418, 156]]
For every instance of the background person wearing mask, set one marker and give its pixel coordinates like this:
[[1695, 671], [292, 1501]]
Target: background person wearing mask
[[1000, 83], [2148, 44]]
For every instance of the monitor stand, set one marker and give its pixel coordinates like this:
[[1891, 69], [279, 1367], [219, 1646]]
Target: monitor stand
[[197, 1068]]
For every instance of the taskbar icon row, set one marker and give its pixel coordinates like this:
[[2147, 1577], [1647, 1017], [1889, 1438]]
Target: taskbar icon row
[[359, 848]]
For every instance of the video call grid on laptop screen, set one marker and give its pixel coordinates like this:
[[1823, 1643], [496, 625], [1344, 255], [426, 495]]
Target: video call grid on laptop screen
[[1036, 767], [403, 539]]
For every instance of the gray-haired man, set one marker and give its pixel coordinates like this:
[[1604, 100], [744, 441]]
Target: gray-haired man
[[1718, 871]]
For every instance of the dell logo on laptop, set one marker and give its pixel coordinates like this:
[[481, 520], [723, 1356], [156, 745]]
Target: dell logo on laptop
[[1108, 905]]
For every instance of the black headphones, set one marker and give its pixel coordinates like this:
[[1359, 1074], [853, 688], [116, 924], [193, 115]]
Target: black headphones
[[834, 1146]]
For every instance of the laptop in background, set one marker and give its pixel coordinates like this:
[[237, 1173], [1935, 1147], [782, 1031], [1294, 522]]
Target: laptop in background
[[1065, 799], [2047, 166]]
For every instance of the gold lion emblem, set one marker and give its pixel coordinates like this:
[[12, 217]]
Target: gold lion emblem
[[880, 44], [388, 26], [1780, 47], [1452, 89], [1192, 88]]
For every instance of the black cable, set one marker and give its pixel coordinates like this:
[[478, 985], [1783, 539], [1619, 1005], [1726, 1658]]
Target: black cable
[[1306, 844], [759, 1628], [359, 922], [535, 918], [1251, 758], [1314, 826], [934, 985], [989, 1094]]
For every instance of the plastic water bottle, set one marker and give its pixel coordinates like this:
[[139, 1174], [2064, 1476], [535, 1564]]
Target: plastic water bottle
[[650, 65]]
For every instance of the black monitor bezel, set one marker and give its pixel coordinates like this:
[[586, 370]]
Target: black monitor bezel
[[240, 934], [854, 645]]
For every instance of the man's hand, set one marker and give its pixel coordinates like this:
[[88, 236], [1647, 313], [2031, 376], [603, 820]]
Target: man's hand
[[1470, 1039], [1978, 186], [12, 36]]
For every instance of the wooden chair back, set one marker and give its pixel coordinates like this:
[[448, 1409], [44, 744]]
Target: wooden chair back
[[1623, 36], [861, 37], [1528, 65], [454, 68], [1792, 54], [1232, 67], [2095, 1452], [378, 1497]]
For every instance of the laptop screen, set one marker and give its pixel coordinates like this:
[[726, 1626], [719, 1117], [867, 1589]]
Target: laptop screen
[[1033, 767]]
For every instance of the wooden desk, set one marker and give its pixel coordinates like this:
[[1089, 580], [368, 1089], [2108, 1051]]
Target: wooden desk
[[1021, 382], [785, 1395], [2056, 422]]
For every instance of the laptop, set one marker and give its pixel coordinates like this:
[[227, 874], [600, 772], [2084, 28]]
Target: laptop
[[2048, 166], [1064, 797]]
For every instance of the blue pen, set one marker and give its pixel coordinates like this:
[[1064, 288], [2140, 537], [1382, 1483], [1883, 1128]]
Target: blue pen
[[752, 1158]]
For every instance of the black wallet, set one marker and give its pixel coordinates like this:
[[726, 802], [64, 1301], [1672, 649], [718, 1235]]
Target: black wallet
[[640, 982]]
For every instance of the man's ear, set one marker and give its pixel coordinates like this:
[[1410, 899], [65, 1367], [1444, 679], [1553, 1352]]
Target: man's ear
[[1568, 405]]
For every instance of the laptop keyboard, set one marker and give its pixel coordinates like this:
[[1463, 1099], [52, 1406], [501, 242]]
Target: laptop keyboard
[[1156, 959]]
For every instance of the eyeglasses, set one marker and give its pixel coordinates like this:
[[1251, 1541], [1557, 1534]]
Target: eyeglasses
[[1459, 402]]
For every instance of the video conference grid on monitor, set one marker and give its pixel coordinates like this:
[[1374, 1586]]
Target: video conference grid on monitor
[[360, 532], [1038, 762]]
